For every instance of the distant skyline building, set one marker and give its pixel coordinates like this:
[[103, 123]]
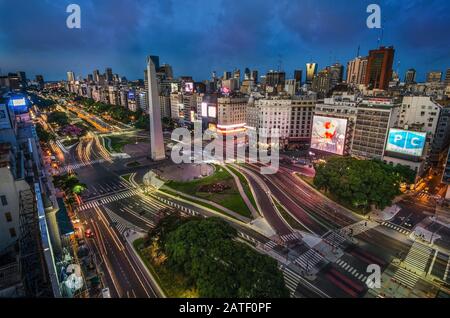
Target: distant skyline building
[[109, 75], [379, 68], [410, 76], [157, 151], [336, 73], [298, 76], [447, 77], [434, 77], [356, 70], [70, 76], [311, 71]]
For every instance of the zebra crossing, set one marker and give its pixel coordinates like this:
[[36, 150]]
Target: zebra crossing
[[270, 245], [291, 279], [396, 227], [333, 238], [358, 227], [309, 259], [350, 269], [416, 262], [79, 165], [120, 224], [290, 237], [107, 199]]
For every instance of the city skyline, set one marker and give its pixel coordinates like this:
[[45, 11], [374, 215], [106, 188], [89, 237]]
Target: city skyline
[[268, 38]]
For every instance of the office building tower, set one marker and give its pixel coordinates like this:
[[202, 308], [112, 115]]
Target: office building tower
[[298, 77], [109, 75], [70, 76], [247, 74], [447, 77], [96, 76], [356, 71], [379, 68], [311, 71], [156, 136], [410, 76], [40, 81], [434, 77], [255, 76], [336, 73]]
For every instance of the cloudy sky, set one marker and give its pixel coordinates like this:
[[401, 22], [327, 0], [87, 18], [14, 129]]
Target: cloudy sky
[[199, 36]]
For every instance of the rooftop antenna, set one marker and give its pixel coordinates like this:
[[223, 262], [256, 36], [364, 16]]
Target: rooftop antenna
[[357, 52], [279, 62]]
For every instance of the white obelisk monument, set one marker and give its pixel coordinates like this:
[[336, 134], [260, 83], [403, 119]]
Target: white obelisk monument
[[154, 110]]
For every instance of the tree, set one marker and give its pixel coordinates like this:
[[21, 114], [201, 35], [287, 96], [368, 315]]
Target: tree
[[360, 183], [206, 252], [43, 135], [59, 118]]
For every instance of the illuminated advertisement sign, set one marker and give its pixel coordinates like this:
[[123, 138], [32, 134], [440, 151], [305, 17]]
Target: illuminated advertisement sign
[[212, 111], [174, 87], [17, 102], [328, 134], [188, 87], [131, 95], [204, 110], [406, 142]]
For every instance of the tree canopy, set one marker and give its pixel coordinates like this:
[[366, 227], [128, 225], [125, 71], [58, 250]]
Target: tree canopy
[[205, 251], [361, 183], [59, 118]]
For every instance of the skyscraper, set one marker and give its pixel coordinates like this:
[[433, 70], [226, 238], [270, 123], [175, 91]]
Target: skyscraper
[[109, 75], [96, 76], [298, 76], [70, 76], [255, 76], [40, 81], [311, 70], [356, 70], [154, 109], [447, 77], [410, 76], [379, 68], [336, 73]]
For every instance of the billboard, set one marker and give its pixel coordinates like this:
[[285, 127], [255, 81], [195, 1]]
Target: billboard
[[328, 134], [204, 109], [406, 142], [212, 111], [17, 102], [189, 87]]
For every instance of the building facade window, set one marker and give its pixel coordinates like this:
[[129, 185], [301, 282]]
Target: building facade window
[[3, 200]]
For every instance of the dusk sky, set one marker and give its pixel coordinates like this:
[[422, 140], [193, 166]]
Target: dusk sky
[[199, 36]]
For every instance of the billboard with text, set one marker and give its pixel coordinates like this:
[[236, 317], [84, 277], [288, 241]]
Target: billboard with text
[[406, 142], [328, 134]]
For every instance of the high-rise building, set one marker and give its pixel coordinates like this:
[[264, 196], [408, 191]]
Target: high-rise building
[[23, 78], [336, 73], [255, 76], [379, 68], [40, 81], [410, 76], [298, 77], [156, 136], [311, 71], [356, 70], [447, 77], [247, 74], [70, 76], [276, 80], [109, 75], [166, 69], [155, 60], [322, 82], [434, 77], [96, 76]]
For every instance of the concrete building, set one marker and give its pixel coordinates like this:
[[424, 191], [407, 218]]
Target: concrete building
[[231, 114], [374, 118], [379, 68], [356, 71], [434, 77]]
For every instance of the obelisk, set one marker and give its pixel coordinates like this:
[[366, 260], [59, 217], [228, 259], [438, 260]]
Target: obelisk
[[154, 110]]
